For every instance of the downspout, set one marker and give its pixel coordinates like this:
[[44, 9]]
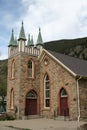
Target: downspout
[[78, 99]]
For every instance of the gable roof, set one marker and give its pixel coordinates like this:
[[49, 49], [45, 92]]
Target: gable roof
[[75, 66]]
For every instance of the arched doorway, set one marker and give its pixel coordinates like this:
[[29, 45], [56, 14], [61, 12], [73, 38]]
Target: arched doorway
[[64, 109], [31, 103]]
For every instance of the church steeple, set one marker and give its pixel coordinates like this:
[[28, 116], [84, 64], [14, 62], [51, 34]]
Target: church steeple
[[22, 39], [29, 41], [12, 43], [32, 42], [15, 40], [22, 33], [39, 39]]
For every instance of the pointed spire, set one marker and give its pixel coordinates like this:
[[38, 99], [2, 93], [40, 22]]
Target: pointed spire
[[39, 39], [29, 41], [22, 33], [11, 43], [32, 42], [15, 41]]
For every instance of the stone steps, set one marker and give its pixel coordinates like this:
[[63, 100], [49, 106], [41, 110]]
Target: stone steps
[[62, 118], [31, 117]]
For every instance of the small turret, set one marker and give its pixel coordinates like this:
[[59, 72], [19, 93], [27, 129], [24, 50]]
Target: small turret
[[22, 39], [22, 33], [29, 41], [12, 43], [39, 41], [15, 40], [32, 42]]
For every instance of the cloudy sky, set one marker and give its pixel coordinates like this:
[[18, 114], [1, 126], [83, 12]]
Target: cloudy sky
[[58, 19]]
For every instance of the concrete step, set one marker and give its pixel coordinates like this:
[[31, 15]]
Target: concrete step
[[31, 117], [62, 118]]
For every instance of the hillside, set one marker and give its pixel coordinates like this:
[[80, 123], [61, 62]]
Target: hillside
[[73, 47]]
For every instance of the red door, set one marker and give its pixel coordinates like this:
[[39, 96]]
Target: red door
[[31, 106], [64, 110], [31, 103]]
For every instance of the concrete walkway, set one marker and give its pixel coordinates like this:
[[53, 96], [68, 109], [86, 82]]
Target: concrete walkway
[[41, 124]]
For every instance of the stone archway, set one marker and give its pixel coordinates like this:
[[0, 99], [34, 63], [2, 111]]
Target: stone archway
[[31, 103], [64, 109]]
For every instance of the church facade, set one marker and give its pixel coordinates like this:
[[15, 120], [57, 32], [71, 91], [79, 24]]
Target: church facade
[[45, 83]]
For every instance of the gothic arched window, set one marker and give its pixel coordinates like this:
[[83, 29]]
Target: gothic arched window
[[30, 69], [63, 93], [46, 91]]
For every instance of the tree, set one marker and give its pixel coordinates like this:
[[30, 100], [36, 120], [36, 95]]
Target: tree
[[3, 82]]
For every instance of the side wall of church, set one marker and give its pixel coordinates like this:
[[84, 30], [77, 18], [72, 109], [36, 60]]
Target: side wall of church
[[83, 98], [59, 78], [13, 83]]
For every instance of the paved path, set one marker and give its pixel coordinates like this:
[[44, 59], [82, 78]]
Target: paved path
[[40, 124], [6, 128]]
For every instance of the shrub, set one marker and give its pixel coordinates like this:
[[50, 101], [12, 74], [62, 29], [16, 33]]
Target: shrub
[[6, 116]]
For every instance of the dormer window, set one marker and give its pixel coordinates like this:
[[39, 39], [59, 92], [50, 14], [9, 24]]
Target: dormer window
[[31, 69]]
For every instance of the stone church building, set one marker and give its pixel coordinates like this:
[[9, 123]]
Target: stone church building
[[44, 83]]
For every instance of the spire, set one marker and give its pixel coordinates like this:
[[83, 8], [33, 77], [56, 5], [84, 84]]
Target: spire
[[39, 39], [15, 41], [11, 43], [32, 42], [22, 33], [29, 41]]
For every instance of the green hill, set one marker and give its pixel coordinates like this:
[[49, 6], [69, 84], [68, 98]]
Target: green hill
[[72, 47]]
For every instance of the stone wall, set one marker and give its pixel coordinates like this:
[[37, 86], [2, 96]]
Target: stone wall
[[83, 98], [21, 84], [59, 78]]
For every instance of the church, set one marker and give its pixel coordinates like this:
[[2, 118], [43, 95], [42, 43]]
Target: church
[[44, 83]]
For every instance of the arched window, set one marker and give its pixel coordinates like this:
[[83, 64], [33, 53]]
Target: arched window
[[46, 91], [12, 99], [30, 69], [63, 93], [31, 95], [13, 69]]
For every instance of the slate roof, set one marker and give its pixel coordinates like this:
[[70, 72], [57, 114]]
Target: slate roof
[[78, 66]]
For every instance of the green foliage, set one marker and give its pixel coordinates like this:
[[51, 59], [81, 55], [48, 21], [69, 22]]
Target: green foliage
[[3, 79], [64, 46], [6, 116]]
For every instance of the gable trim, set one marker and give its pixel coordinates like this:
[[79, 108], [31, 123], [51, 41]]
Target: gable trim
[[58, 61]]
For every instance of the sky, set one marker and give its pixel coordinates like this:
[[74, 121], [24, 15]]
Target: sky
[[58, 19]]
